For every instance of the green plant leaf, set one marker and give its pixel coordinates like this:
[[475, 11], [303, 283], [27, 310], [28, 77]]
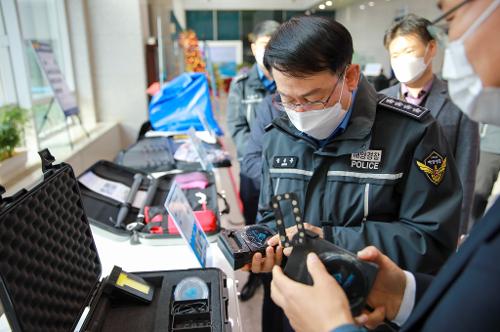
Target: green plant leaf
[[12, 120]]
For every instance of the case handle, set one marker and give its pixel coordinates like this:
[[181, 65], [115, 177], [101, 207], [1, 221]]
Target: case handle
[[227, 208], [47, 160]]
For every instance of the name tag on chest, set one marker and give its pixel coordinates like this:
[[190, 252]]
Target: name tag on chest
[[369, 159], [285, 162]]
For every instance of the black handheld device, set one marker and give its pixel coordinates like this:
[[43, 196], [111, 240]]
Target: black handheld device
[[239, 246], [356, 277]]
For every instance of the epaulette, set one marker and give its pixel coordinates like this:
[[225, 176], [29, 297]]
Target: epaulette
[[241, 77], [414, 111], [268, 127]]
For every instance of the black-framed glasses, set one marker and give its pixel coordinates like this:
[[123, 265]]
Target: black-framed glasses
[[439, 31], [308, 106], [449, 12]]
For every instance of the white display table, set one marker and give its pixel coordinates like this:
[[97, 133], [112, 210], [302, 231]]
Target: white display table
[[138, 258]]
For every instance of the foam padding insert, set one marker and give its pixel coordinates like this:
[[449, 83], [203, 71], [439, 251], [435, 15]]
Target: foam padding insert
[[48, 259], [133, 316]]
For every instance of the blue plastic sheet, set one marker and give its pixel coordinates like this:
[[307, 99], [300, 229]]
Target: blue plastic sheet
[[181, 102]]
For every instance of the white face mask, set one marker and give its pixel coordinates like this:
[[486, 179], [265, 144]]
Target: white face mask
[[321, 123], [408, 68], [259, 56], [465, 87]]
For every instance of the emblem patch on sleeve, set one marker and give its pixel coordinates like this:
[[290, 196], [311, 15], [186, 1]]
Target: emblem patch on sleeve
[[434, 167]]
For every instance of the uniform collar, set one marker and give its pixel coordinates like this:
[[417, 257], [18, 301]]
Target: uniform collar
[[268, 84], [253, 79], [364, 109]]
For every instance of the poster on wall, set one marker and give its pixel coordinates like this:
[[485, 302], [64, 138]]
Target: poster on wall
[[64, 97], [226, 54]]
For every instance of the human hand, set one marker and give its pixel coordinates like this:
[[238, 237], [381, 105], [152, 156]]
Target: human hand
[[321, 307], [290, 233], [387, 292], [265, 264]]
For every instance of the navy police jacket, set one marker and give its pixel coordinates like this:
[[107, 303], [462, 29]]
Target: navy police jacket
[[388, 180], [461, 133], [245, 94]]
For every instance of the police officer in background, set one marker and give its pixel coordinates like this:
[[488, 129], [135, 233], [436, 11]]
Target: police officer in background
[[245, 94], [412, 49], [372, 169], [248, 90]]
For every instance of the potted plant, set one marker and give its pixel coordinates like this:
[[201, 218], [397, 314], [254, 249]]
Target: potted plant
[[12, 160]]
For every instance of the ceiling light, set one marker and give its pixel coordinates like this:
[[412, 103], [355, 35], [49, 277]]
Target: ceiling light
[[329, 3], [362, 7], [371, 3], [322, 6]]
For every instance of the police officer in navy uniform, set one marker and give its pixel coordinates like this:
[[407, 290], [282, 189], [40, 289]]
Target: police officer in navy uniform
[[246, 93], [247, 90], [375, 170], [462, 296]]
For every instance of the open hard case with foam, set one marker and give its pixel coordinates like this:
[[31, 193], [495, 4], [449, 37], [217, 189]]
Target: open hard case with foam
[[50, 270], [102, 211], [156, 154]]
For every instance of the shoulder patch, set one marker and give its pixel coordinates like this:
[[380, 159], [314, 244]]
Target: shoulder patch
[[241, 77], [434, 167], [414, 111]]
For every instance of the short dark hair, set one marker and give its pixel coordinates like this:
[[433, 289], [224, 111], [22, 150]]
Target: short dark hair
[[263, 29], [410, 24], [307, 45]]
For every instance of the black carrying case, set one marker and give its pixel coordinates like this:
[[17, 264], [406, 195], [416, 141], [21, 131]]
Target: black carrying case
[[50, 269], [156, 154], [101, 210]]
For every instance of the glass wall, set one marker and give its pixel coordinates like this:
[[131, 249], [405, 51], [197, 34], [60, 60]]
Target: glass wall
[[202, 22], [22, 81], [45, 21], [228, 25], [7, 87]]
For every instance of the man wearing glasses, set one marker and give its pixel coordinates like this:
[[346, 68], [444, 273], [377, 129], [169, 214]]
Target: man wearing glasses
[[463, 295], [373, 170]]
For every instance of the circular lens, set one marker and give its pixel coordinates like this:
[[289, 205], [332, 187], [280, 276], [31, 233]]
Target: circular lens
[[191, 288], [346, 270]]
